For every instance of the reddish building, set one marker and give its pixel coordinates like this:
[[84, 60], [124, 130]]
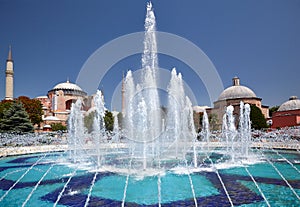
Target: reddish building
[[57, 104], [288, 114]]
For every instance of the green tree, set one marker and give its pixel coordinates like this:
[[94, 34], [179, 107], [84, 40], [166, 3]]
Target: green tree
[[213, 121], [34, 109], [58, 127], [109, 121], [15, 119], [89, 120], [272, 110], [4, 105], [258, 120], [120, 120]]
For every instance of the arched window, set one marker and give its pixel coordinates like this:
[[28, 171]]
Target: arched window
[[69, 103]]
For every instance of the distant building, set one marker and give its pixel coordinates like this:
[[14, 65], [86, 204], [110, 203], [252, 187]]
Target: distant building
[[233, 95], [57, 104], [288, 114]]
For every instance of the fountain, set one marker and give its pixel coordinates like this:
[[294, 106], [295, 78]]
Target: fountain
[[156, 159], [147, 144]]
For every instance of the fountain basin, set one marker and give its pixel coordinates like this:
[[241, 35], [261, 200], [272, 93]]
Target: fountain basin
[[23, 180]]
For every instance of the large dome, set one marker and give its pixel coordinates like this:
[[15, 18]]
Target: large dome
[[236, 91], [292, 104], [67, 86]]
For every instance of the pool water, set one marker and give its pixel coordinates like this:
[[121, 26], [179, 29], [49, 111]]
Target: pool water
[[49, 180]]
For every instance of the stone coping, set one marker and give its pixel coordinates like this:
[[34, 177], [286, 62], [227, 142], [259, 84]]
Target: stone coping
[[10, 151], [266, 145]]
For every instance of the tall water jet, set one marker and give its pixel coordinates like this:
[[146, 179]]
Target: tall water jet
[[241, 122], [175, 108], [247, 125], [142, 114], [180, 132], [205, 127], [231, 130], [189, 130], [245, 128], [147, 142], [149, 83], [237, 140], [116, 130], [76, 131], [149, 57], [98, 124], [99, 135], [205, 133], [150, 139], [225, 131], [129, 103]]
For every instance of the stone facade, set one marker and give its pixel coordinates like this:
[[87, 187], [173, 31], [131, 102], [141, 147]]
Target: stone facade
[[233, 95], [58, 102]]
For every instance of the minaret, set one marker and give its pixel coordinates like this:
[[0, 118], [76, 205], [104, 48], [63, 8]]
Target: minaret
[[123, 96], [9, 81]]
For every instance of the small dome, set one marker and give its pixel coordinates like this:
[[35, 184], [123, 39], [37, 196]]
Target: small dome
[[68, 86], [292, 104], [236, 91]]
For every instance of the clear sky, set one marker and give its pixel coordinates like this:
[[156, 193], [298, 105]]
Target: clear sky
[[257, 40]]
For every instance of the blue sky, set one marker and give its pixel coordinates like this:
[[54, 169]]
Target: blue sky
[[257, 40]]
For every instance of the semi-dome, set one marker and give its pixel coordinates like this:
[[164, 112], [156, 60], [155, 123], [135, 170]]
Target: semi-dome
[[292, 104], [67, 86], [236, 91]]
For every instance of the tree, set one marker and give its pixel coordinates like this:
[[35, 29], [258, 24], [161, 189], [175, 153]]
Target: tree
[[272, 110], [258, 120], [4, 105], [109, 121], [58, 127], [89, 121], [120, 120], [16, 119], [34, 109], [213, 121]]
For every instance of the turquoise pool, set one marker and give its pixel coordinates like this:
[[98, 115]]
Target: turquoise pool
[[48, 180]]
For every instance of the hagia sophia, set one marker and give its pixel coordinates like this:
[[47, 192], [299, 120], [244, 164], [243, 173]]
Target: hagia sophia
[[57, 104], [58, 101]]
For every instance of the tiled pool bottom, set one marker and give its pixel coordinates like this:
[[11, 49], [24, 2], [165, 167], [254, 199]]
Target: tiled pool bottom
[[44, 180]]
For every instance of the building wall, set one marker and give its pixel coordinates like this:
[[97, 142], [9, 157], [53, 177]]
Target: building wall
[[220, 107], [265, 111], [58, 104], [286, 118]]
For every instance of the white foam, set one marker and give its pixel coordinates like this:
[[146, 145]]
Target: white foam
[[73, 192]]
